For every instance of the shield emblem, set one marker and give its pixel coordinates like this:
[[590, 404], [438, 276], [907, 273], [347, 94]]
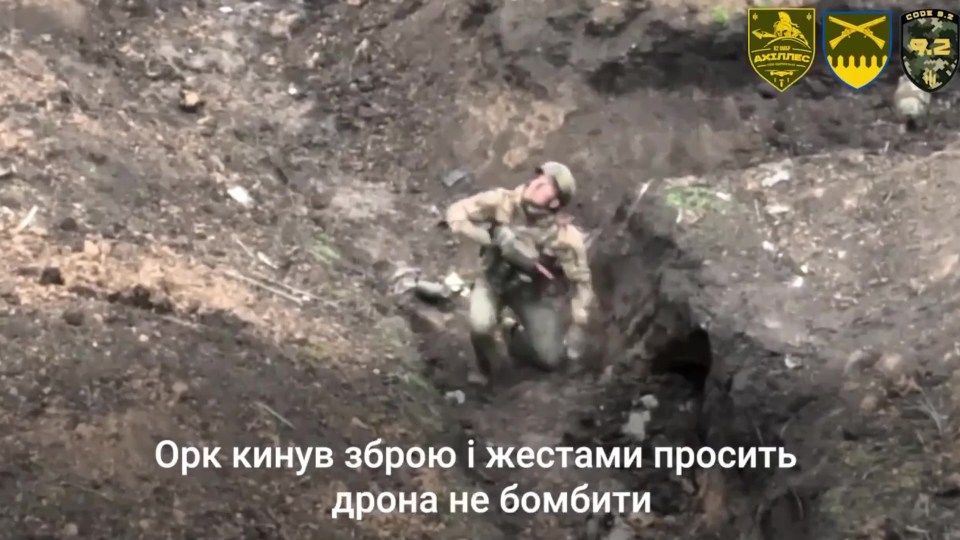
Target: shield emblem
[[781, 43], [929, 47], [857, 45]]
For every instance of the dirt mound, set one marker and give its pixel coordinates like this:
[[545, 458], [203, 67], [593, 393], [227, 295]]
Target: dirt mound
[[203, 205], [590, 82]]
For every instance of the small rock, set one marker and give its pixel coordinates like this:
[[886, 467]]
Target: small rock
[[453, 177], [607, 19], [620, 530], [909, 101], [816, 88], [775, 173], [456, 397], [51, 276], [69, 224], [792, 363], [951, 486], [650, 401], [766, 91], [367, 112], [477, 379], [70, 530], [73, 316], [607, 376], [891, 364], [859, 359], [11, 201], [955, 383], [241, 195], [869, 404], [9, 294], [190, 101], [356, 422], [208, 126], [83, 291], [777, 209], [198, 62], [90, 248], [321, 200], [636, 425], [179, 388], [430, 291], [851, 432], [97, 158], [7, 171], [84, 430], [284, 24]]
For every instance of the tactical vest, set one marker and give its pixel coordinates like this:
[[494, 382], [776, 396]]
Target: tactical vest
[[507, 279]]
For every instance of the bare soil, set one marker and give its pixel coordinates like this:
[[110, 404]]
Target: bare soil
[[141, 302]]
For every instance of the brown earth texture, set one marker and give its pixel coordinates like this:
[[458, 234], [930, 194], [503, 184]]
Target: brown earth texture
[[206, 208]]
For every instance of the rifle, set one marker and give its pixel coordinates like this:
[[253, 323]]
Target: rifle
[[851, 29]]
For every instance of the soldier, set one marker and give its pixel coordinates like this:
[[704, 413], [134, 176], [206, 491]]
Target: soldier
[[530, 254]]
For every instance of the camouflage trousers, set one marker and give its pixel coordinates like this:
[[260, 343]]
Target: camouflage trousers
[[538, 342]]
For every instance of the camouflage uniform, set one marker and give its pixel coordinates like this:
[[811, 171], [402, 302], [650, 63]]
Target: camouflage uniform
[[941, 67], [534, 299]]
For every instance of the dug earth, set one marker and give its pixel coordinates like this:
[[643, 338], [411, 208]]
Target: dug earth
[[206, 208]]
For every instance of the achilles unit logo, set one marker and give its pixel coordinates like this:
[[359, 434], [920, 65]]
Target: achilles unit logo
[[857, 44], [929, 47], [781, 43]]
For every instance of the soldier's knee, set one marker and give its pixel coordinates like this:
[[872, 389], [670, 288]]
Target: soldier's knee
[[483, 321]]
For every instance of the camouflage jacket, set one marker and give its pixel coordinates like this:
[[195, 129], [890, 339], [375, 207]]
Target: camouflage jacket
[[561, 246]]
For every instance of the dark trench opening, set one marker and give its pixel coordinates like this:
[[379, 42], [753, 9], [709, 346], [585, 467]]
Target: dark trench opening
[[688, 355]]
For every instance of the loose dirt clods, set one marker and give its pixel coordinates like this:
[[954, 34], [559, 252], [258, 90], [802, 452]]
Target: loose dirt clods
[[202, 206]]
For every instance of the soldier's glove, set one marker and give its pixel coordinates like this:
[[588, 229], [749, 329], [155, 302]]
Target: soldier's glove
[[501, 236], [575, 342]]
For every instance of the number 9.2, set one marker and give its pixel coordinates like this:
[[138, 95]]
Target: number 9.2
[[941, 46]]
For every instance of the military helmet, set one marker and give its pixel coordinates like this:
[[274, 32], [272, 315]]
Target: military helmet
[[562, 178]]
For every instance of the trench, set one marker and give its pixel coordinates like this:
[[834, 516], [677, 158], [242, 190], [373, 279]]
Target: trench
[[704, 72], [660, 335], [668, 342], [656, 342]]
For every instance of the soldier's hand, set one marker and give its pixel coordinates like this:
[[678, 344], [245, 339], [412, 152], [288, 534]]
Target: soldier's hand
[[502, 236]]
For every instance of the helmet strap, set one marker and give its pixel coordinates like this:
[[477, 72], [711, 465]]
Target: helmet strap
[[561, 196], [537, 211]]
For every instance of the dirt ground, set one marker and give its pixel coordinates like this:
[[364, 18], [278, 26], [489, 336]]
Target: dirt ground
[[771, 269]]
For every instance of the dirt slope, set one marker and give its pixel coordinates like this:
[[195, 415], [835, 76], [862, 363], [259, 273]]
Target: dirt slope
[[125, 323]]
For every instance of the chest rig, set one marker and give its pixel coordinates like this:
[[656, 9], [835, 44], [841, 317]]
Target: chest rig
[[537, 239]]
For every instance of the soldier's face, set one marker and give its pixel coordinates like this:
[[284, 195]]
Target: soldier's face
[[541, 191]]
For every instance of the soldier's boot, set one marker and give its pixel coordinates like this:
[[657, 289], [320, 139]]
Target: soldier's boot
[[486, 353]]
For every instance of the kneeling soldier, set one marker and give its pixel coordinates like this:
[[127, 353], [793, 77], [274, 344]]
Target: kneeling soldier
[[531, 256]]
